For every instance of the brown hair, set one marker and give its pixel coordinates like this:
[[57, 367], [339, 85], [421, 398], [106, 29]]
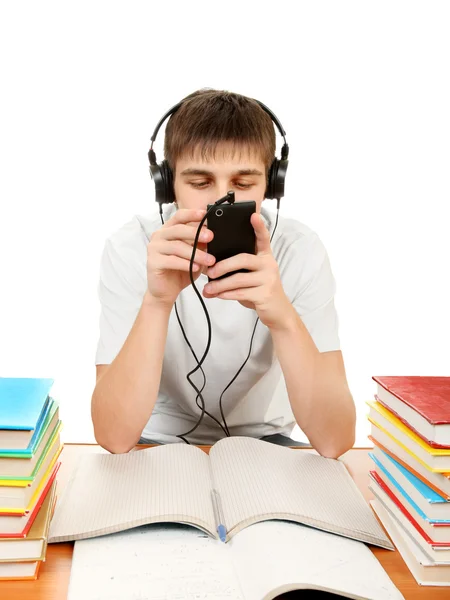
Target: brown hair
[[209, 117]]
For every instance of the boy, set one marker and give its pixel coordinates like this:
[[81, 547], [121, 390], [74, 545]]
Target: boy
[[215, 142]]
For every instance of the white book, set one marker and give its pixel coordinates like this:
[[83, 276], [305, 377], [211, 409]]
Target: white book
[[438, 533], [260, 563], [19, 570], [437, 554], [424, 571]]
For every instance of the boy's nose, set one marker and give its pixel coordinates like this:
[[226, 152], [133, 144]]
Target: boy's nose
[[223, 188]]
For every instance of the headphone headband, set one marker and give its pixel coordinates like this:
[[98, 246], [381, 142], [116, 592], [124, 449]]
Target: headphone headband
[[168, 114]]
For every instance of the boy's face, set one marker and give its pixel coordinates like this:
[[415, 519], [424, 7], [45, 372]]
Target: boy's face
[[200, 182]]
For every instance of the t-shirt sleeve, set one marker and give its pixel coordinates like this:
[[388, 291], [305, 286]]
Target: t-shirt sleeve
[[120, 301], [314, 301]]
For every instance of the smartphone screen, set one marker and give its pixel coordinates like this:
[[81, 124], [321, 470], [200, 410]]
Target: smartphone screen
[[233, 231]]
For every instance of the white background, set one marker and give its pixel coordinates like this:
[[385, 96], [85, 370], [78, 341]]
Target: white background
[[362, 89]]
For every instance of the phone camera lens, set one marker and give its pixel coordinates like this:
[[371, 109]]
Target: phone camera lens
[[219, 212]]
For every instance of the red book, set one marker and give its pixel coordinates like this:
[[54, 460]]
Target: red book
[[411, 519], [422, 403], [16, 525]]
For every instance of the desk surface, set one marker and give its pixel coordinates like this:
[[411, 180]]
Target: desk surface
[[53, 580]]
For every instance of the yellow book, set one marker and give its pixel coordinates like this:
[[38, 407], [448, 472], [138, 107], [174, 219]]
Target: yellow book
[[440, 482], [37, 492], [32, 547], [435, 459], [54, 446]]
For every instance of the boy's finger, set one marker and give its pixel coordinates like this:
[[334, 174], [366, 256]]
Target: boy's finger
[[184, 216], [262, 234], [184, 232]]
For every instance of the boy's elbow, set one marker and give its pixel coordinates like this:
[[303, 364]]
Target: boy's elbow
[[115, 442], [114, 446], [341, 443], [345, 441], [339, 447]]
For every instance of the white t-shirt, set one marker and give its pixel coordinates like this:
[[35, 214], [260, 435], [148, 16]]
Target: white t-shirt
[[257, 403]]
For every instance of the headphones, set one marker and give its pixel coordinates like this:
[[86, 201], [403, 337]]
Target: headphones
[[163, 177]]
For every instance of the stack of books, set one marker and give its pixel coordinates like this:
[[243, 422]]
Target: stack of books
[[410, 481], [30, 446]]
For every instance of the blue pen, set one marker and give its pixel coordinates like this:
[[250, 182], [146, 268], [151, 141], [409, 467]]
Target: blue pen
[[218, 515]]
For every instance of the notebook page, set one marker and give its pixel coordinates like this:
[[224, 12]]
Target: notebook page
[[274, 557], [112, 492], [259, 480], [153, 562]]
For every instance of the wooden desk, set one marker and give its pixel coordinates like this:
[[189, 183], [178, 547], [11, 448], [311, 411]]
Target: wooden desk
[[53, 580]]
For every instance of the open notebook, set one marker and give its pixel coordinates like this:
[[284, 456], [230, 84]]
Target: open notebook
[[255, 481], [261, 562]]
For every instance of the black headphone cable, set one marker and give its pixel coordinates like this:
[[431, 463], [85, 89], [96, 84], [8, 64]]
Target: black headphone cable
[[230, 198]]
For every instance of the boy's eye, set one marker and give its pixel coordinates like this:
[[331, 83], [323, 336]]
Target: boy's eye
[[199, 184], [202, 184]]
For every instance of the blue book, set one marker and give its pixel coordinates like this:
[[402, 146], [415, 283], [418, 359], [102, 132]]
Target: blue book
[[44, 422], [414, 505], [22, 401], [24, 405], [424, 490]]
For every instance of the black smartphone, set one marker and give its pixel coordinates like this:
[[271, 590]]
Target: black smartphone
[[233, 231]]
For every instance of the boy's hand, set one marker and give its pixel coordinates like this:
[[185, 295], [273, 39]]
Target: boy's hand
[[169, 253], [260, 289]]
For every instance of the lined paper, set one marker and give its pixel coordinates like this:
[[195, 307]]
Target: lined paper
[[258, 480], [113, 492]]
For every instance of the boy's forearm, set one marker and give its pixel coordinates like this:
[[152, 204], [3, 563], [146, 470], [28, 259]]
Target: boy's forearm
[[320, 398], [125, 395]]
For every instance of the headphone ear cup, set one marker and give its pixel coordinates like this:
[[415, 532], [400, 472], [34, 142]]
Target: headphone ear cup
[[270, 179], [158, 178], [276, 179], [169, 193], [280, 178], [162, 176]]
